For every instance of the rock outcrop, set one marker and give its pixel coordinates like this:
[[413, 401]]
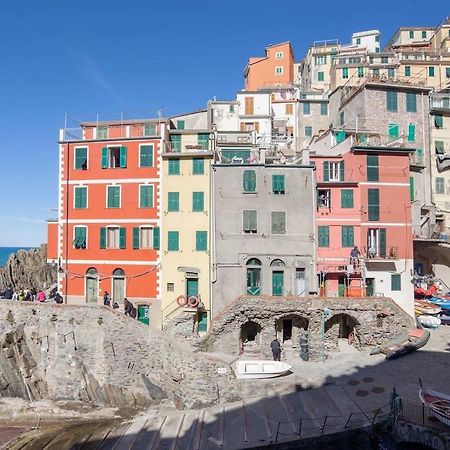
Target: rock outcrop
[[28, 269]]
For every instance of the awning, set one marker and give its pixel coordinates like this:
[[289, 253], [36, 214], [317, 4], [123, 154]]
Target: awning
[[381, 266]]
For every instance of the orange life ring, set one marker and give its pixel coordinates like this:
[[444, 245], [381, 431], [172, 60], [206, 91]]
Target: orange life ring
[[181, 300], [193, 301]]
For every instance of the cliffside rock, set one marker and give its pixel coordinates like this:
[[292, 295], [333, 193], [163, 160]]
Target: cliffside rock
[[28, 269]]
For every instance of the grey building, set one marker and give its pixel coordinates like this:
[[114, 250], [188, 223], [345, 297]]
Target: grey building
[[263, 223]]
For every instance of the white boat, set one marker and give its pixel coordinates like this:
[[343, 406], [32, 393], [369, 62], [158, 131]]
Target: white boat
[[438, 403], [429, 321], [261, 369]]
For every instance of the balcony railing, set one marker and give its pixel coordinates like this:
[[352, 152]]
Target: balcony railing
[[178, 147], [235, 138], [440, 102], [372, 253]]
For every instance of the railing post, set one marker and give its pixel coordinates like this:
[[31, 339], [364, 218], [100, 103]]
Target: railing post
[[300, 427], [324, 423], [348, 420], [278, 431], [375, 416]]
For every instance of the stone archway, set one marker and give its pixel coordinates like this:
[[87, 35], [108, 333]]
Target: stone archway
[[290, 327], [340, 327], [250, 337]]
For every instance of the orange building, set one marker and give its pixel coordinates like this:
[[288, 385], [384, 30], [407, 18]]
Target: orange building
[[107, 236], [274, 69]]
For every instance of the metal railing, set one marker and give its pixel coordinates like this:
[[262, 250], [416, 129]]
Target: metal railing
[[440, 101], [390, 252], [420, 414], [178, 147]]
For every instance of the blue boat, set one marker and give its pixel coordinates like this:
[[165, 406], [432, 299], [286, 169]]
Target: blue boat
[[444, 303]]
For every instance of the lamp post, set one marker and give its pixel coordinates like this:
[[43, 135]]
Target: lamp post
[[325, 314]]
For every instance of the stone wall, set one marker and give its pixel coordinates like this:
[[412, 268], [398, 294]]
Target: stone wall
[[97, 354], [376, 320]]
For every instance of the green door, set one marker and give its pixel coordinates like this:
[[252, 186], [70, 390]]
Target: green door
[[341, 287], [370, 285], [143, 314], [277, 283], [191, 287], [202, 321]]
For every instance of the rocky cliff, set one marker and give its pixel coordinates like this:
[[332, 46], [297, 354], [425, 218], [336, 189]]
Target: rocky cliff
[[28, 269]]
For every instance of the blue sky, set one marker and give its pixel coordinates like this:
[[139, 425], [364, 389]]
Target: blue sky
[[86, 57]]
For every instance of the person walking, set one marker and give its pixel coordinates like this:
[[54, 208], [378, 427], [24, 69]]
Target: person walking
[[58, 298], [276, 349], [8, 295], [106, 299], [41, 297]]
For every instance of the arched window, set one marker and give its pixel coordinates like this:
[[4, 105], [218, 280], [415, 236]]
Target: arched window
[[254, 262], [277, 263], [118, 286], [91, 285], [118, 273], [254, 276], [91, 271]]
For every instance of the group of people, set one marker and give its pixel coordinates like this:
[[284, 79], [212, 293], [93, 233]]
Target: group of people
[[129, 309], [29, 295]]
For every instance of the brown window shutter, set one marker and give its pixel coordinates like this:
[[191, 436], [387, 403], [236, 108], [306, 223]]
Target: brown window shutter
[[248, 106], [257, 127]]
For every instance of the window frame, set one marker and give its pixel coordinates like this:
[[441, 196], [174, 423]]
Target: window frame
[[107, 196], [152, 197], [80, 147], [75, 188], [195, 200], [171, 200], [197, 234], [152, 157], [195, 169], [170, 163], [279, 70], [74, 235], [249, 229], [174, 234], [282, 229]]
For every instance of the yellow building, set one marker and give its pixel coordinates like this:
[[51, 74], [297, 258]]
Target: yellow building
[[185, 220]]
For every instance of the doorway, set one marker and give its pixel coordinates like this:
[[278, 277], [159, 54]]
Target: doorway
[[341, 286], [370, 287], [91, 286], [287, 330], [143, 314], [277, 283], [118, 286], [191, 287]]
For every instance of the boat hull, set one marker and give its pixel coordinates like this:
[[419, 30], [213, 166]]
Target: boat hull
[[417, 338], [438, 403], [259, 369]]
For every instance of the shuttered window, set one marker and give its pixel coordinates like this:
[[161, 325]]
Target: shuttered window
[[173, 201], [180, 124], [198, 166], [136, 237], [249, 181], [174, 167], [114, 157], [439, 147], [156, 238], [346, 198], [407, 71], [320, 76], [373, 204], [324, 109], [323, 233], [113, 237], [438, 121], [197, 201], [173, 244], [372, 168], [79, 240], [411, 188], [146, 156], [122, 237], [393, 131], [391, 101], [306, 108], [347, 235], [278, 184], [360, 72], [440, 185], [308, 131], [249, 221], [203, 140], [146, 196], [411, 132], [81, 197], [278, 222], [113, 197], [149, 129], [411, 102], [175, 143], [102, 132], [249, 106], [345, 72], [81, 158], [201, 241], [431, 71], [396, 282]]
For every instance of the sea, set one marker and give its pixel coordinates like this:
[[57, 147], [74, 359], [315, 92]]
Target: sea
[[6, 251]]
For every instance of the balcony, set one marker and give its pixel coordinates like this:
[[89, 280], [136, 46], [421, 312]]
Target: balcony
[[178, 147], [374, 254], [416, 160], [440, 102], [235, 138]]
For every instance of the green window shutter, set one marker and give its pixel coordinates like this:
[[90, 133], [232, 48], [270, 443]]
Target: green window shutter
[[136, 233], [113, 197], [324, 236], [149, 129], [146, 196], [81, 197], [396, 282], [391, 101], [431, 71], [419, 154], [80, 237], [156, 238], [174, 167], [180, 124], [440, 186], [438, 121], [175, 140], [411, 188], [346, 198], [278, 222], [360, 72], [407, 71], [278, 184], [198, 166], [373, 204], [173, 201], [383, 242], [341, 171], [372, 168], [340, 136], [306, 108], [320, 76], [173, 244], [411, 102], [123, 157], [197, 201], [347, 235], [439, 147], [201, 244], [122, 237], [105, 164], [326, 171], [249, 220], [81, 158], [324, 109], [411, 34], [103, 237], [146, 156], [411, 132], [345, 72], [203, 140], [249, 181], [393, 131]]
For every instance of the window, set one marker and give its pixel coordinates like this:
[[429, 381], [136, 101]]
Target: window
[[319, 60], [384, 60], [396, 282], [440, 187], [173, 201], [411, 103], [79, 238], [289, 108], [174, 167], [439, 147], [150, 129], [173, 244], [203, 140], [438, 121], [279, 55], [424, 34], [376, 242], [324, 109], [201, 241], [411, 189], [377, 38], [373, 204], [249, 181], [180, 124], [447, 72], [253, 276], [342, 119], [81, 158], [376, 72], [197, 201], [198, 166], [391, 101], [431, 71], [306, 108], [278, 222], [146, 196], [249, 221], [358, 41], [113, 237], [411, 132], [278, 184], [113, 197], [320, 76], [143, 237], [391, 72], [345, 72], [80, 194], [102, 132], [411, 34], [114, 157], [308, 131], [323, 233], [360, 72], [333, 171], [346, 198], [249, 106], [407, 71], [419, 154], [145, 155], [175, 143], [323, 198], [231, 109], [279, 70], [372, 168], [347, 236], [170, 287], [393, 131]]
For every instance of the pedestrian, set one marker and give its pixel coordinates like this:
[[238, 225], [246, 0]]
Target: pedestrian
[[354, 256], [41, 297], [8, 295], [106, 299], [127, 307], [15, 296], [21, 295], [58, 298], [276, 349]]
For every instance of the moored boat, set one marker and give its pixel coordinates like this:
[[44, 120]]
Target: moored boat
[[429, 321], [442, 302], [426, 307], [438, 403], [261, 369]]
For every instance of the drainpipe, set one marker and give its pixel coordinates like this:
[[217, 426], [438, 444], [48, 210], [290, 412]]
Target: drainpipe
[[67, 167]]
